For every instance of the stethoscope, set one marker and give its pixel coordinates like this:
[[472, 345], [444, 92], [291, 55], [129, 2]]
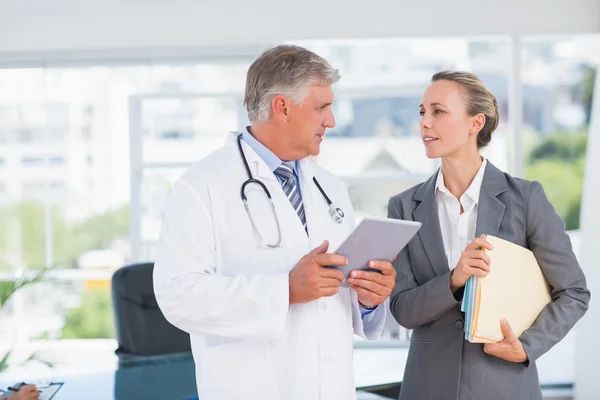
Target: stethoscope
[[335, 213]]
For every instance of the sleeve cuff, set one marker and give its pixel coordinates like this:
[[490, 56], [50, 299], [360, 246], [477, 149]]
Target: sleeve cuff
[[373, 323], [366, 311], [528, 353]]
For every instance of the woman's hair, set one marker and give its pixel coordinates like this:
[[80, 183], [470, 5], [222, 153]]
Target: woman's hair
[[478, 100]]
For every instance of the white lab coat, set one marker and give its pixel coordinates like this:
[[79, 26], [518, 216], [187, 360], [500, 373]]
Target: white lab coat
[[215, 281]]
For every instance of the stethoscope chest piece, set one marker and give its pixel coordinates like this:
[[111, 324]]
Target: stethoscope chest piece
[[336, 214]]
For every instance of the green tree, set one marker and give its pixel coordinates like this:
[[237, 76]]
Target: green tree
[[23, 226], [564, 146], [22, 230], [93, 319], [8, 287], [587, 90], [558, 163], [92, 233]]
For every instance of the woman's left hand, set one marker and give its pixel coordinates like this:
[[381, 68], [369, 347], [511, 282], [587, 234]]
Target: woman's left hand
[[510, 349]]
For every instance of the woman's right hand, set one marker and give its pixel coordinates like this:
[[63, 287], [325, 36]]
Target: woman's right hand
[[27, 392], [473, 261]]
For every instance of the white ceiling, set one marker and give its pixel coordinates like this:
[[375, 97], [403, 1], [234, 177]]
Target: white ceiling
[[29, 28]]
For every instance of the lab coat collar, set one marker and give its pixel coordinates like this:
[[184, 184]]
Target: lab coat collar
[[258, 167]]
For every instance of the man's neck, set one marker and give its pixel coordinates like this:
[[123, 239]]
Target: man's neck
[[267, 135]]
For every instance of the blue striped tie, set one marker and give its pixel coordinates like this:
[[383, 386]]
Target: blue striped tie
[[285, 175]]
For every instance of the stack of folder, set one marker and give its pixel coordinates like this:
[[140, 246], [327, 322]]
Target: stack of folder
[[515, 289]]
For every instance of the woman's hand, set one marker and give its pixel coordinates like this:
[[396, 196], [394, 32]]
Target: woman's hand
[[473, 261], [27, 392], [510, 349]]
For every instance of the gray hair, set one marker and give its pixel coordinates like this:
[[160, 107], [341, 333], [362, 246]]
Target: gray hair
[[284, 70]]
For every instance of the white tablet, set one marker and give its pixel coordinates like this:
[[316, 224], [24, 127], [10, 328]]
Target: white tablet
[[375, 239]]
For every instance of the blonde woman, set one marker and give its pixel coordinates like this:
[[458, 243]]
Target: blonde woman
[[466, 199]]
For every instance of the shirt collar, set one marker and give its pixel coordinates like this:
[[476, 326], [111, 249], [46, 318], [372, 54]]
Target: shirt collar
[[272, 161], [474, 188]]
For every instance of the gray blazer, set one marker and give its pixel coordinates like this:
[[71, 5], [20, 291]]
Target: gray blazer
[[441, 363]]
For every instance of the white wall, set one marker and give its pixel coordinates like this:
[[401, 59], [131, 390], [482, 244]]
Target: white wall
[[587, 353], [147, 26]]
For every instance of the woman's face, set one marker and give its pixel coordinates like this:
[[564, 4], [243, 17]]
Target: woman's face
[[446, 128]]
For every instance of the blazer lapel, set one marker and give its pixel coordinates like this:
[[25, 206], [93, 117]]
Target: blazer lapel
[[430, 233], [490, 209]]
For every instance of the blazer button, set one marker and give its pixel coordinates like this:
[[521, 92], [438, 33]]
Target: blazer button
[[459, 324]]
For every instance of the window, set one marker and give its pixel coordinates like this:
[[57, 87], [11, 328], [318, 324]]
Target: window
[[76, 216], [53, 134], [183, 128], [86, 133], [376, 109], [558, 78], [25, 135], [32, 160], [174, 131], [33, 188], [176, 135], [56, 160]]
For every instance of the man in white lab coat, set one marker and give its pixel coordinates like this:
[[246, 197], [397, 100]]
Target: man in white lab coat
[[243, 251]]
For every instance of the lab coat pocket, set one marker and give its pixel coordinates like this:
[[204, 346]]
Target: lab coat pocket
[[241, 363]]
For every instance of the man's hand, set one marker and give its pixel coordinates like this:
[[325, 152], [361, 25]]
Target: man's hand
[[373, 287], [310, 280], [510, 349], [27, 392]]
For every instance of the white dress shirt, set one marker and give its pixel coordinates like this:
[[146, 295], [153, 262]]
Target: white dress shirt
[[458, 230]]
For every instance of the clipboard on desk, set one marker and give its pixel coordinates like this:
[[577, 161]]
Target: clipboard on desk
[[47, 389], [47, 392]]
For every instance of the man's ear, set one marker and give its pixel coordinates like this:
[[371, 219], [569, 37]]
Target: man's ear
[[280, 107]]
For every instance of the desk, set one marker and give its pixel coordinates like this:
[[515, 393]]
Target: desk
[[173, 378]]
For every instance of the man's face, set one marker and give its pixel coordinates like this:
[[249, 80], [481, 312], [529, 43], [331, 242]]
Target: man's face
[[308, 121]]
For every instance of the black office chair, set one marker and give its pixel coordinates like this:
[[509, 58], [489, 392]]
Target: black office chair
[[142, 331], [387, 391]]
